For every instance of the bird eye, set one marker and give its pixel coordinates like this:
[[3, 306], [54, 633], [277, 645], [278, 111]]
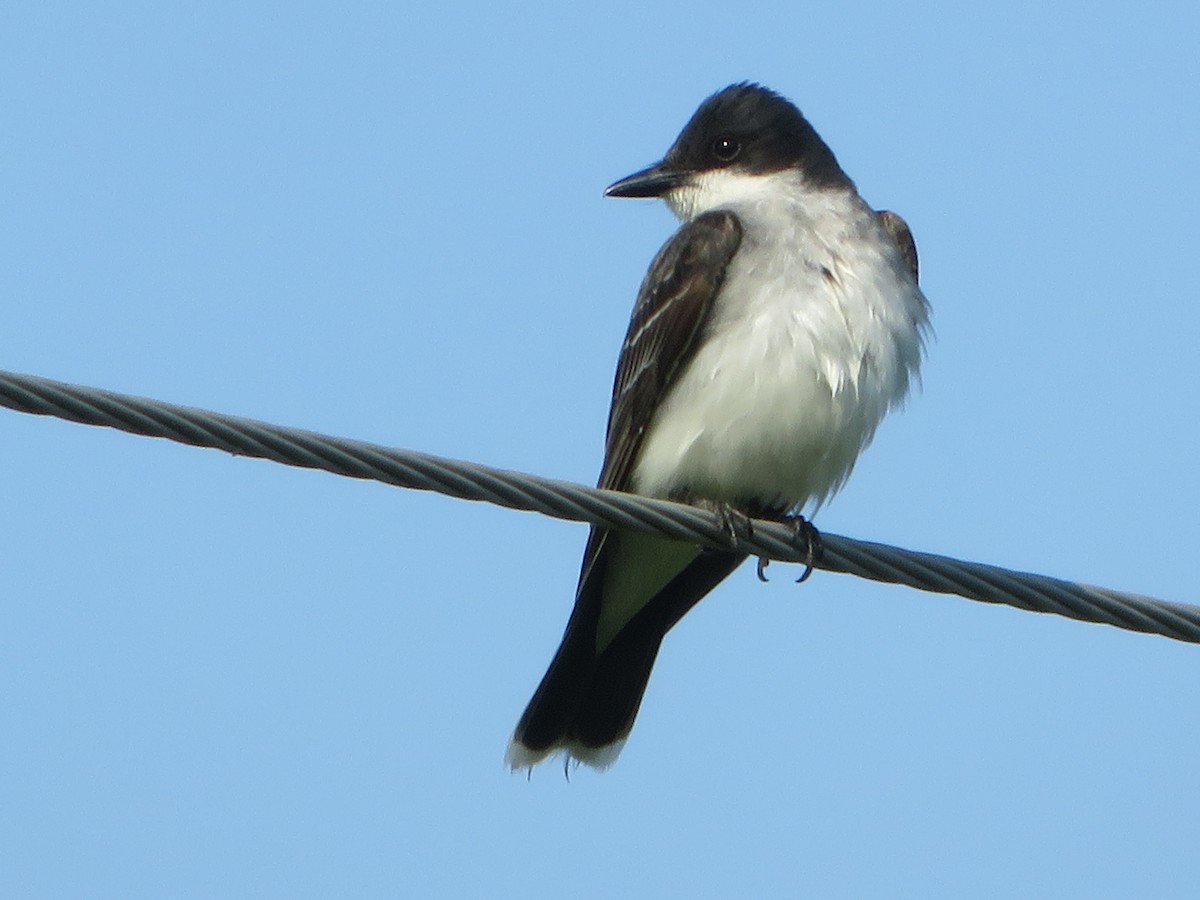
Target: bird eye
[[726, 148]]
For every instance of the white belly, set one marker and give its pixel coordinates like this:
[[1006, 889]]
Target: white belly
[[792, 377]]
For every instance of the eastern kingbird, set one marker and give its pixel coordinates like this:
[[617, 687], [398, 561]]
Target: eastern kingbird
[[772, 333]]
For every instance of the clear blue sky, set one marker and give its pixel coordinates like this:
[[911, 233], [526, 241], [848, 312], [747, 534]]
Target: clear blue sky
[[223, 677]]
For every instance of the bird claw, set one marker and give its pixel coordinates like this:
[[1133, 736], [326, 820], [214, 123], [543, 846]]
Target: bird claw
[[763, 562], [735, 523], [805, 537]]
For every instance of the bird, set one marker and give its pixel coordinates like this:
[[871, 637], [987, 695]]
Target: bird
[[772, 333]]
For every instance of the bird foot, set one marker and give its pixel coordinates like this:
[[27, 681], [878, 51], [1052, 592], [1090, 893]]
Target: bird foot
[[734, 522], [806, 539]]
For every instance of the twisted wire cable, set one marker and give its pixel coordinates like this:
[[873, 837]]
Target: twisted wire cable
[[611, 509]]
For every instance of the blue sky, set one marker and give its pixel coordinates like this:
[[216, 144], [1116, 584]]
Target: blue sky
[[223, 677]]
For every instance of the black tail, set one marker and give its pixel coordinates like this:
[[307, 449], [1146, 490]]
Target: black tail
[[587, 702]]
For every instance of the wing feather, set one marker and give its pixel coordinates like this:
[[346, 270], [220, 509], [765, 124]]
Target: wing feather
[[903, 237], [671, 307]]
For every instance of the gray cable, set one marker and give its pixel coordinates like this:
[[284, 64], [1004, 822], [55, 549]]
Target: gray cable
[[565, 500]]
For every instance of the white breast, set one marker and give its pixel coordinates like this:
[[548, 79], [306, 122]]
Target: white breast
[[816, 334]]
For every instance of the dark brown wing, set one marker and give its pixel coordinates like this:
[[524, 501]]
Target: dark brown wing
[[589, 696], [901, 234], [671, 306], [674, 299]]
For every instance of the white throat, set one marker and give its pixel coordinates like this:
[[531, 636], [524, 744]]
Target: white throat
[[727, 187]]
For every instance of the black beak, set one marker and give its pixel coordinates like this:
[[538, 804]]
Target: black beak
[[653, 181]]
